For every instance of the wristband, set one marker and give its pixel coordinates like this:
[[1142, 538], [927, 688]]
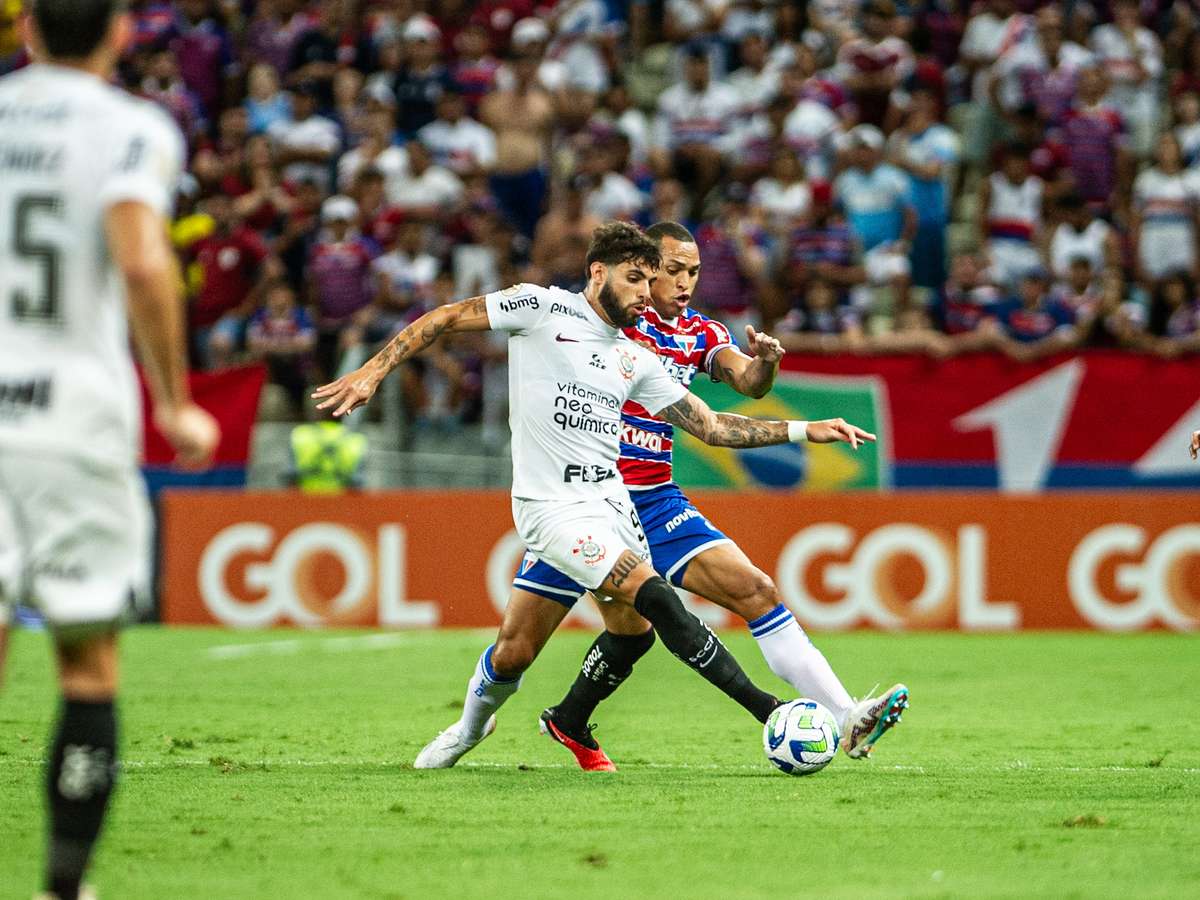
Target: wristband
[[797, 431]]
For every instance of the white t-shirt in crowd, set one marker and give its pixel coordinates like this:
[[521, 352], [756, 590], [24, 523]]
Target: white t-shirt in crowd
[[569, 374]]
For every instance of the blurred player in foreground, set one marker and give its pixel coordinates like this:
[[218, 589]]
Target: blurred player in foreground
[[571, 371], [87, 175], [685, 548]]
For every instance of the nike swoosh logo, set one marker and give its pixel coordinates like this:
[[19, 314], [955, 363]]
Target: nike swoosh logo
[[563, 340]]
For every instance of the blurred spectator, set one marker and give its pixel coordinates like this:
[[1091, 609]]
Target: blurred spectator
[[457, 141], [230, 262], [611, 194], [260, 200], [989, 32], [1079, 289], [968, 299], [668, 203], [420, 83], [306, 145], [875, 64], [282, 335], [163, 85], [1187, 127], [1175, 314], [562, 231], [530, 39], [695, 120], [1112, 321], [425, 190], [377, 149], [755, 81], [782, 199], [877, 199], [733, 248], [1132, 57], [1164, 218], [404, 278], [928, 151], [823, 249], [1035, 323], [266, 104], [338, 283], [810, 130], [1081, 235], [205, 55], [273, 31], [1095, 138], [820, 323], [1010, 216], [1041, 71], [475, 72], [318, 52], [522, 117]]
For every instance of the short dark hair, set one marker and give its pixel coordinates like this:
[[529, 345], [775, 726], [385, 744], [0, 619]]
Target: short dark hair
[[620, 242], [674, 230], [73, 29]]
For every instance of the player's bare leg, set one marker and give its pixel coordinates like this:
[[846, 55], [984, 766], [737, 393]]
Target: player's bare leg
[[82, 764], [3, 650], [528, 622]]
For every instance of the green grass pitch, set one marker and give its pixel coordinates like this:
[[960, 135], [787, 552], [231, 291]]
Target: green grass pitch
[[1045, 765]]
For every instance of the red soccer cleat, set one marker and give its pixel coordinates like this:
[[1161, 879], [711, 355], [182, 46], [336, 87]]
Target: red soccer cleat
[[590, 758]]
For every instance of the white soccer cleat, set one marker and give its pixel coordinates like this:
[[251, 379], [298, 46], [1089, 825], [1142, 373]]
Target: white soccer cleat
[[869, 719], [449, 747]]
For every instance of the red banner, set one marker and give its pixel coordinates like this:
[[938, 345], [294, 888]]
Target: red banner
[[1096, 420], [231, 396], [973, 562]]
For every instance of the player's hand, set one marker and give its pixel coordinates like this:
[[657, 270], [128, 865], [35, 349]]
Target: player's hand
[[192, 431], [348, 393], [763, 345], [1195, 448], [830, 431]]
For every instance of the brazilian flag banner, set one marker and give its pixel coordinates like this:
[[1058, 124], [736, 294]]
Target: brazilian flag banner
[[793, 467]]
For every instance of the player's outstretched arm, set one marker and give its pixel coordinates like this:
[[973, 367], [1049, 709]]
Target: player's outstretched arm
[[353, 390], [750, 376], [695, 416]]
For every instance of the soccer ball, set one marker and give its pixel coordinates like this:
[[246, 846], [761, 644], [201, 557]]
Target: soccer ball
[[801, 737]]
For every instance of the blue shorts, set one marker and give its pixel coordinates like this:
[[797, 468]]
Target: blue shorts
[[676, 531]]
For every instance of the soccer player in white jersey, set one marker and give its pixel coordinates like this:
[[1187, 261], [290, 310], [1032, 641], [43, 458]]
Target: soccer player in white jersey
[[571, 370], [87, 175]]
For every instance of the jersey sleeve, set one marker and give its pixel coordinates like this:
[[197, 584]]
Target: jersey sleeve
[[518, 308], [718, 339], [653, 388], [144, 163]]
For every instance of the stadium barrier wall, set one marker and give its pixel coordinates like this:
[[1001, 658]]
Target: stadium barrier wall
[[973, 562]]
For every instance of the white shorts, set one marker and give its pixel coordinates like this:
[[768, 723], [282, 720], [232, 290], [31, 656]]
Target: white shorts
[[582, 539], [74, 539]]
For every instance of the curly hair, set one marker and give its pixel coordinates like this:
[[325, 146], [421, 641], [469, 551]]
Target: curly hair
[[620, 242]]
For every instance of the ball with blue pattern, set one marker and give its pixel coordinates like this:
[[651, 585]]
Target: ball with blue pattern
[[801, 737]]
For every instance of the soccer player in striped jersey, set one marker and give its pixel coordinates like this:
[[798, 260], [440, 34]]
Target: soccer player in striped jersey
[[685, 548]]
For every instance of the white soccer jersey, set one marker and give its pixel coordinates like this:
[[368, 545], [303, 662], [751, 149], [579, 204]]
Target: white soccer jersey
[[71, 146], [569, 374]]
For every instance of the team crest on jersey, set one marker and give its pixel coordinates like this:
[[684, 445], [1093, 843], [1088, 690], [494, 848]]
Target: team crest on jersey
[[625, 364], [592, 551], [686, 342]]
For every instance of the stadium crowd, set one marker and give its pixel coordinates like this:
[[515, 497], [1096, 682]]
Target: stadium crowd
[[873, 177]]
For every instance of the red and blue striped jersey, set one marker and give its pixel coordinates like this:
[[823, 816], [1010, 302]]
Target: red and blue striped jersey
[[684, 346]]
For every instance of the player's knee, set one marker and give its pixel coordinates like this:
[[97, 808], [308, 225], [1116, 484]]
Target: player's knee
[[656, 600], [761, 597], [623, 620], [511, 657]]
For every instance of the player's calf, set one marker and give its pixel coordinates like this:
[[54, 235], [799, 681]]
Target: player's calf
[[692, 641], [81, 775], [608, 662]]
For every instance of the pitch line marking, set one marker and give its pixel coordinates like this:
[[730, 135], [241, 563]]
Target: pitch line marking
[[293, 646]]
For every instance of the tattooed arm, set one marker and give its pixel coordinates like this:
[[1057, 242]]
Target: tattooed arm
[[694, 416], [353, 390]]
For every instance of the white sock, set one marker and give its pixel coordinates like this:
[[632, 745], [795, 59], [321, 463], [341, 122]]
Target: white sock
[[792, 656], [486, 693]]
